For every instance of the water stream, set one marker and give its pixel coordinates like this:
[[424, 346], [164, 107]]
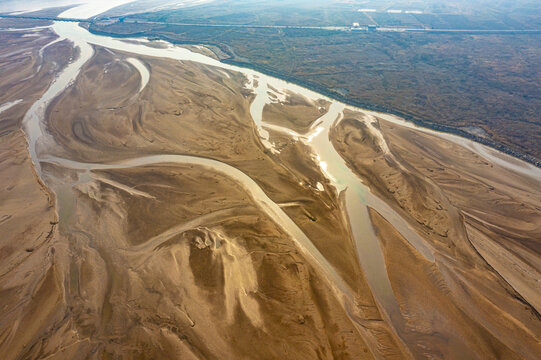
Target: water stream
[[357, 196], [143, 72], [9, 105]]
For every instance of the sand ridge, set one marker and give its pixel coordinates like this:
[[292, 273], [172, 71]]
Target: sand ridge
[[172, 260]]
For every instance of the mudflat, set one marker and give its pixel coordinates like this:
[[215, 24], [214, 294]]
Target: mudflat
[[163, 223], [481, 220]]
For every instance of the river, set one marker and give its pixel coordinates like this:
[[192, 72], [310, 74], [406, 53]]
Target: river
[[358, 197]]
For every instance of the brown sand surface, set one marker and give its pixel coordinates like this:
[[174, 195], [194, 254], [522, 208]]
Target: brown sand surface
[[188, 266], [438, 326], [201, 50], [25, 73], [30, 285], [169, 261], [483, 222], [189, 108], [30, 281], [296, 112]]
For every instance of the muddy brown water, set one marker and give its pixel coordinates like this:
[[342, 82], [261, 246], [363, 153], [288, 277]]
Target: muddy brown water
[[357, 196]]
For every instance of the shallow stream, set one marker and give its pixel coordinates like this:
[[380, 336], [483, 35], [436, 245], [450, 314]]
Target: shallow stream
[[358, 197]]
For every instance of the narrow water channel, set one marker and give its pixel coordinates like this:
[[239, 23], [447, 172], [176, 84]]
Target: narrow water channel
[[358, 197]]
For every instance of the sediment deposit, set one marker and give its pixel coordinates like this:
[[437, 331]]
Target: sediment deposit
[[171, 208]]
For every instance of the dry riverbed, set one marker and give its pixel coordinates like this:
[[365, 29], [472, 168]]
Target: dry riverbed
[[165, 259]]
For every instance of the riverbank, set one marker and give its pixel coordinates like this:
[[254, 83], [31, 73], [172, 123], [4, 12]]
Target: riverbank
[[499, 131], [190, 211]]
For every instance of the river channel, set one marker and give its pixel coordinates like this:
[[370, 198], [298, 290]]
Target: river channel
[[358, 198]]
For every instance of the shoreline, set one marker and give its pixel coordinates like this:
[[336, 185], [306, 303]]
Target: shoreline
[[337, 97], [193, 185]]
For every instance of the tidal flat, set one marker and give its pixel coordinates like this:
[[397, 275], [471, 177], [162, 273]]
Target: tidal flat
[[165, 205]]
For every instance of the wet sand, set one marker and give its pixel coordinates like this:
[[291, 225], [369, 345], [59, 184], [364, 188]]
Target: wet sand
[[421, 249], [28, 64], [483, 222], [30, 289], [192, 266], [293, 111], [172, 115], [30, 281]]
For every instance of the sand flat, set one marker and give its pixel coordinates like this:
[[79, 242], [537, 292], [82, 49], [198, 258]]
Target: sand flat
[[156, 257]]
